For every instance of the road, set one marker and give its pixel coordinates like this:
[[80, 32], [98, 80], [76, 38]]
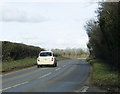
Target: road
[[68, 76]]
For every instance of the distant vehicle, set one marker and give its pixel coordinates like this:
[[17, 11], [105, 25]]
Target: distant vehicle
[[46, 58]]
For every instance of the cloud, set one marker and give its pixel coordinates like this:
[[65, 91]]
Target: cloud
[[61, 41], [18, 15]]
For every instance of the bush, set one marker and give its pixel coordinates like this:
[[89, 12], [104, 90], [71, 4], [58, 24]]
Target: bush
[[15, 51]]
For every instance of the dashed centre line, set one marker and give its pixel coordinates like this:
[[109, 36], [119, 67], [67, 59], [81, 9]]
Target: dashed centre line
[[24, 82], [45, 75], [57, 69], [15, 86], [64, 65]]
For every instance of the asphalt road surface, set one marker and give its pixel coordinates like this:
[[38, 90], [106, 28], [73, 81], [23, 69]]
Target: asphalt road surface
[[68, 76]]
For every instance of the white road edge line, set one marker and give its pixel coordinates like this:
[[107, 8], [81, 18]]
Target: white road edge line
[[45, 75], [15, 86]]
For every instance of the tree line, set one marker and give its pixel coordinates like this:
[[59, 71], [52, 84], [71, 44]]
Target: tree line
[[15, 51], [68, 52], [104, 33]]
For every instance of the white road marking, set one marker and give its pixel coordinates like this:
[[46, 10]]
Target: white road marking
[[83, 89], [20, 84], [6, 88], [64, 65], [45, 75], [15, 86], [57, 69], [23, 82]]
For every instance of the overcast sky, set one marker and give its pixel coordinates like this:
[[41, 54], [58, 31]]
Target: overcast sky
[[46, 24]]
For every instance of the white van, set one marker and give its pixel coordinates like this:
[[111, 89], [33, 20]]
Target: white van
[[46, 58]]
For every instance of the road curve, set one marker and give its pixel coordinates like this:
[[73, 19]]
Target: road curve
[[69, 76]]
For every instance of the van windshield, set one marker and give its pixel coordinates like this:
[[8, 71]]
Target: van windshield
[[46, 54]]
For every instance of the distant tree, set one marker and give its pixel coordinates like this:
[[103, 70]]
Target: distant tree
[[70, 52]]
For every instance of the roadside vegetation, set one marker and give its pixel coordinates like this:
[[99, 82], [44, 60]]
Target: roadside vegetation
[[103, 77], [71, 53], [12, 65], [104, 44], [16, 51], [61, 58]]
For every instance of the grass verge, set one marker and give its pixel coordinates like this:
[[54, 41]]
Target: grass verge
[[103, 76], [18, 64]]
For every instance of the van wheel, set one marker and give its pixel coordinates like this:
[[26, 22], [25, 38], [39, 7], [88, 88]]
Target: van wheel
[[38, 66], [55, 65]]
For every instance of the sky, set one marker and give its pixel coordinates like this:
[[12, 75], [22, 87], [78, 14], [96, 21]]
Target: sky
[[49, 25]]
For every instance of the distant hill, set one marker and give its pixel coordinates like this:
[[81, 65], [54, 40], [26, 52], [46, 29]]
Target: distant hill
[[15, 51]]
